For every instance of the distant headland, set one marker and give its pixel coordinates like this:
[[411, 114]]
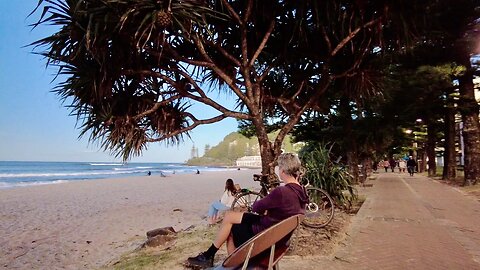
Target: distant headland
[[233, 147]]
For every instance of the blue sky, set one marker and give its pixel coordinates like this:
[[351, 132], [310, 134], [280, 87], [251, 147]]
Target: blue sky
[[35, 125]]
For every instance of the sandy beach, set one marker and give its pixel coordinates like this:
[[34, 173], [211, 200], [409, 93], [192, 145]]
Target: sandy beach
[[86, 224]]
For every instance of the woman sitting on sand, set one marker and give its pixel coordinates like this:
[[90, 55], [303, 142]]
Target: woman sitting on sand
[[282, 203], [223, 204]]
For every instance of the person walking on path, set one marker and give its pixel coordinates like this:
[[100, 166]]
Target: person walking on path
[[411, 164], [402, 165], [385, 165], [392, 164]]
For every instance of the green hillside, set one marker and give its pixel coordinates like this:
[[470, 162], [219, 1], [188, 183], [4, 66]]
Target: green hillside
[[232, 147]]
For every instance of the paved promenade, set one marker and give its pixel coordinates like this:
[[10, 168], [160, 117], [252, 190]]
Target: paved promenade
[[410, 223]]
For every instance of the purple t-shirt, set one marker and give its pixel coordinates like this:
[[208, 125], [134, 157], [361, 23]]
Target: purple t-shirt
[[283, 202]]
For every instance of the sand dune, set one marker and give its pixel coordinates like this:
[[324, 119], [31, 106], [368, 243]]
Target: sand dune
[[86, 224]]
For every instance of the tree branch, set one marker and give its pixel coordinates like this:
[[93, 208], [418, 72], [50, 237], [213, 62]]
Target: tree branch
[[232, 11], [208, 101], [225, 53], [180, 58], [327, 39], [204, 99], [356, 63], [196, 123], [264, 41], [229, 81], [248, 12], [156, 106], [265, 73], [352, 35], [294, 118]]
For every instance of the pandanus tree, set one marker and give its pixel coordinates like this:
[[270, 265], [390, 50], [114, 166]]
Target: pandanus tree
[[132, 68]]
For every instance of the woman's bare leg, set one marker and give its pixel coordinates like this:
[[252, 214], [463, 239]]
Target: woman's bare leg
[[224, 232], [214, 219], [230, 245]]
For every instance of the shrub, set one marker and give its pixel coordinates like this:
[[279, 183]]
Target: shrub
[[321, 172]]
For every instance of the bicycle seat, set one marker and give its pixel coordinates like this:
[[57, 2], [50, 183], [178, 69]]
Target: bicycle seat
[[259, 177]]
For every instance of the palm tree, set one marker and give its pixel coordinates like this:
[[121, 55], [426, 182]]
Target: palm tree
[[133, 67]]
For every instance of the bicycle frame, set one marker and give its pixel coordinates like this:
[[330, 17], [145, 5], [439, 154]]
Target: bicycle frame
[[264, 184], [319, 209]]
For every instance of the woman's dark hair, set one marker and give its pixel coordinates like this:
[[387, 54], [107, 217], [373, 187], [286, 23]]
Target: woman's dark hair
[[230, 186]]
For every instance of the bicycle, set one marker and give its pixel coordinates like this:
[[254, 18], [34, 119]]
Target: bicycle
[[319, 211]]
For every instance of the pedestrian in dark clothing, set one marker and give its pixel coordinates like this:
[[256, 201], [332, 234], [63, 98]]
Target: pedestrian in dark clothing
[[411, 164], [393, 164]]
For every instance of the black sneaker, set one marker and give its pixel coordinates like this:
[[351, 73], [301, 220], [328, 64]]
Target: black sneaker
[[200, 260]]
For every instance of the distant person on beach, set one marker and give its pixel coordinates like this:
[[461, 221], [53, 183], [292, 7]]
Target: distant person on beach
[[198, 172], [282, 202], [223, 204], [149, 173]]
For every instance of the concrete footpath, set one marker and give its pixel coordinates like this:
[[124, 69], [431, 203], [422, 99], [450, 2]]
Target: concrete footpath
[[410, 223]]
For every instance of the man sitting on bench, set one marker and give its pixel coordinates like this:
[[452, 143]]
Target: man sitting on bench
[[283, 202]]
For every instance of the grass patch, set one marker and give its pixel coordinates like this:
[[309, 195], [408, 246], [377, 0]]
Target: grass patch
[[471, 189], [188, 243], [307, 242]]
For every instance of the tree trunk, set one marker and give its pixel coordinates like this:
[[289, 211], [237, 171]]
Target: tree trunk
[[367, 164], [421, 160], [352, 163], [268, 154], [350, 145], [471, 126], [449, 157], [430, 149]]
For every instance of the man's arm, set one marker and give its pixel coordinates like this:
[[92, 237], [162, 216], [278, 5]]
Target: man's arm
[[269, 202]]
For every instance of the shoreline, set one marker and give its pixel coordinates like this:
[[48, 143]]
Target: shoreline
[[86, 224], [24, 174]]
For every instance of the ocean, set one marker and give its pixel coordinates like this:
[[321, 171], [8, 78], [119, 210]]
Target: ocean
[[26, 173]]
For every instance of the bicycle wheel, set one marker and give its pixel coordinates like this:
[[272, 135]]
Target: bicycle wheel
[[320, 209], [243, 202]]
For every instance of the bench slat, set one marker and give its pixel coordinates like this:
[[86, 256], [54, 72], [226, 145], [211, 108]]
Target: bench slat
[[263, 241]]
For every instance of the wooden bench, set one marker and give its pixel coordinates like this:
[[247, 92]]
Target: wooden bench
[[264, 250]]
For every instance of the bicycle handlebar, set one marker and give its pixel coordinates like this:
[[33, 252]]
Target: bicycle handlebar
[[263, 179]]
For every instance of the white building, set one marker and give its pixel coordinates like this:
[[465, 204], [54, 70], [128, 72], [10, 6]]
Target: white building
[[249, 161]]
